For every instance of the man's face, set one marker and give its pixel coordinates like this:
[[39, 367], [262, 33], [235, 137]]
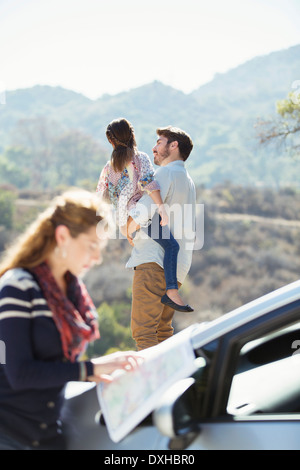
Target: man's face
[[161, 150]]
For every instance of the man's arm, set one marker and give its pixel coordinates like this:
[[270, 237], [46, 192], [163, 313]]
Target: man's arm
[[145, 208]]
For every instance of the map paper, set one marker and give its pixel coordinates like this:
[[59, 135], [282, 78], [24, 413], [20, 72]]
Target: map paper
[[131, 396]]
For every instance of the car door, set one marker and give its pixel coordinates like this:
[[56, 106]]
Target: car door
[[253, 394]]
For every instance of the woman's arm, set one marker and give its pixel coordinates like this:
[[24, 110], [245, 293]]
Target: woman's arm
[[102, 186], [20, 316], [104, 366], [146, 181], [22, 369], [29, 333]]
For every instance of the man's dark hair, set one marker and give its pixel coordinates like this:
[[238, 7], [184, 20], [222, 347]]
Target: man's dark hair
[[173, 134]]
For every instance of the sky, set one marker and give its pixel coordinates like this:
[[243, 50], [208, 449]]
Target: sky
[[96, 47]]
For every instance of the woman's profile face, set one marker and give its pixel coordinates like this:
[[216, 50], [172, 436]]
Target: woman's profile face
[[83, 251]]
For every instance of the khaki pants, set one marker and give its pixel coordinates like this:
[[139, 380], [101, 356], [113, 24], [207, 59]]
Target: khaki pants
[[151, 321]]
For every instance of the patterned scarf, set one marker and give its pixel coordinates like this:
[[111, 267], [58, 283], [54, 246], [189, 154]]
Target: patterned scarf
[[74, 315]]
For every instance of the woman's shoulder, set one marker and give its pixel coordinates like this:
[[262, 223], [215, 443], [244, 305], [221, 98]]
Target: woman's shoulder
[[142, 159], [18, 277], [21, 297], [141, 155], [107, 166]]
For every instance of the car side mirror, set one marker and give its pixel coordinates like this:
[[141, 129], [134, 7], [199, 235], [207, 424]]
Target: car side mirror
[[175, 415]]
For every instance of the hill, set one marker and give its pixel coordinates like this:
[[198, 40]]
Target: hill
[[251, 247], [220, 116]]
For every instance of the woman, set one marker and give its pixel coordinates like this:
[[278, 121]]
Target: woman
[[46, 321]]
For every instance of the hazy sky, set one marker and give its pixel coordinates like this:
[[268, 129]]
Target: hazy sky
[[108, 46]]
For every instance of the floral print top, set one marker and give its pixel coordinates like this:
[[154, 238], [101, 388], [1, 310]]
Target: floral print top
[[124, 189]]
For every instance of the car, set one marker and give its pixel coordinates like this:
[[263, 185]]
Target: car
[[244, 393]]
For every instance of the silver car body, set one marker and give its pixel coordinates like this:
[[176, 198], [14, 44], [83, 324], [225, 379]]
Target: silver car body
[[245, 395]]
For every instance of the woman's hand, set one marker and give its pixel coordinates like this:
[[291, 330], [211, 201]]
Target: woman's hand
[[105, 365], [132, 227], [130, 239], [163, 214]]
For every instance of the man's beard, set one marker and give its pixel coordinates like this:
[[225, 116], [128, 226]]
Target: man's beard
[[158, 158]]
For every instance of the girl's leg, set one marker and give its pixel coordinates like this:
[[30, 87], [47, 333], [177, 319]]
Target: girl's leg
[[165, 239]]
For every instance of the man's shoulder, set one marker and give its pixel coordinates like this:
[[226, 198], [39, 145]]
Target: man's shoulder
[[162, 170], [163, 176], [171, 171]]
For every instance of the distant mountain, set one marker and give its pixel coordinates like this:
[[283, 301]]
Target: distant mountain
[[220, 116], [258, 83]]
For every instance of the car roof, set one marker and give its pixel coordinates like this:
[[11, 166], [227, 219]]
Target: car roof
[[204, 333]]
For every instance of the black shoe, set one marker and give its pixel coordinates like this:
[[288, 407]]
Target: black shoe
[[181, 308]]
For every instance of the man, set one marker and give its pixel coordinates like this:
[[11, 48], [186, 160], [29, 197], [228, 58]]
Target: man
[[151, 321]]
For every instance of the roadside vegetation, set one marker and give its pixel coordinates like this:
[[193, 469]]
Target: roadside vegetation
[[251, 247]]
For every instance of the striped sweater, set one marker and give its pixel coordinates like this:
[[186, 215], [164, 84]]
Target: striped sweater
[[34, 373]]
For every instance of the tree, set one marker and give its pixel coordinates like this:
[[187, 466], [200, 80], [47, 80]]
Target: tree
[[7, 205], [78, 157], [11, 170], [114, 335], [43, 155], [286, 128], [34, 137]]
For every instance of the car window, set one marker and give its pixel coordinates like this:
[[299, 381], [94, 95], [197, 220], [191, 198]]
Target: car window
[[267, 379], [205, 357]]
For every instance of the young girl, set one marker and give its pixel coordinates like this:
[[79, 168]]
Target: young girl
[[125, 178]]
